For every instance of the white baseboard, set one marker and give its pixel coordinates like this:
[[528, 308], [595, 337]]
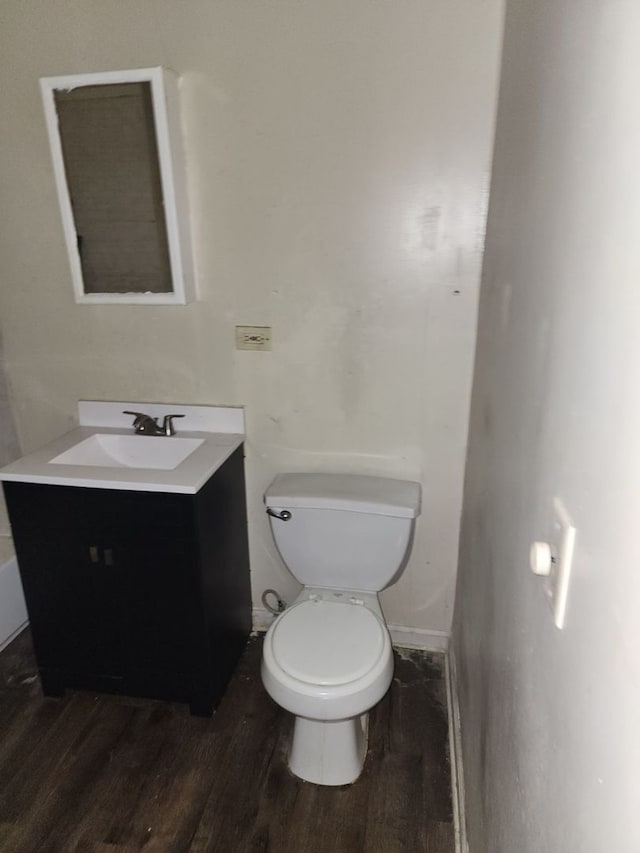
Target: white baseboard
[[455, 751], [13, 611], [261, 619], [406, 638], [419, 638]]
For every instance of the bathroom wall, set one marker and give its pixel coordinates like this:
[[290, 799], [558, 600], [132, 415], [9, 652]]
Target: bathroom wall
[[13, 613], [338, 157], [8, 452], [549, 717]]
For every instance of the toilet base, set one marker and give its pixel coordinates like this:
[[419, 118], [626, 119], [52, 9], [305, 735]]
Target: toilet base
[[329, 752]]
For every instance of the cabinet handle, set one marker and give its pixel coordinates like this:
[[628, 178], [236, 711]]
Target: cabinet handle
[[94, 554], [108, 557]]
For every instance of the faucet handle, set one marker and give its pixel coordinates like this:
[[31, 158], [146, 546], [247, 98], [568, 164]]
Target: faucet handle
[[167, 424], [142, 423]]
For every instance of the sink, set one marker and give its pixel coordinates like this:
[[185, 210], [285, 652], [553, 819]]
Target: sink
[[111, 450], [103, 452]]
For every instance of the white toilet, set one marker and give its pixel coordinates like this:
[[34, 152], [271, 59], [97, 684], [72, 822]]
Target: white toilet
[[327, 658]]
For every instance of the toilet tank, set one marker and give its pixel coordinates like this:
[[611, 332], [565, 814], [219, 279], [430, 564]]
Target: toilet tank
[[345, 531]]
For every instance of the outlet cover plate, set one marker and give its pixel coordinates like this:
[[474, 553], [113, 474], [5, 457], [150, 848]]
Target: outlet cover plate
[[253, 337]]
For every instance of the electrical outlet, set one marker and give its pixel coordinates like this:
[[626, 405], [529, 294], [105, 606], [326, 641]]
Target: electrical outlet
[[561, 546], [253, 337]]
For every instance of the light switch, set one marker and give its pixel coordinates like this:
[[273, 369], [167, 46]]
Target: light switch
[[541, 558], [552, 561]]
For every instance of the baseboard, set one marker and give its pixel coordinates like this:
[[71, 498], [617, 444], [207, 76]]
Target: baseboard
[[406, 638], [419, 638], [13, 611], [455, 750], [261, 619]]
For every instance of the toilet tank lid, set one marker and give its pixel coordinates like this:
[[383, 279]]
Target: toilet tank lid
[[350, 492]]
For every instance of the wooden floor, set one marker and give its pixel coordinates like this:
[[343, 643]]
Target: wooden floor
[[108, 774]]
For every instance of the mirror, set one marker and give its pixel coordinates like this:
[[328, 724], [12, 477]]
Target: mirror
[[115, 143]]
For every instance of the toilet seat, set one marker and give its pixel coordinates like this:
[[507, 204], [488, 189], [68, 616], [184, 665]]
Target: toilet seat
[[316, 641], [327, 643]]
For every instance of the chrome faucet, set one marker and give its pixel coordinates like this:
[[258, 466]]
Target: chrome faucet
[[146, 425]]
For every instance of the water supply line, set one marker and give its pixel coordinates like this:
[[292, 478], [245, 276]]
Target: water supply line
[[280, 603]]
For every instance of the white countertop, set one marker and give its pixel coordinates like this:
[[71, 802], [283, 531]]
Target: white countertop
[[106, 418]]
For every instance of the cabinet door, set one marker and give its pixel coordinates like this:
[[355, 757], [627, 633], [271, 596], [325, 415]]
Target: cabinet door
[[72, 574], [113, 586], [162, 597]]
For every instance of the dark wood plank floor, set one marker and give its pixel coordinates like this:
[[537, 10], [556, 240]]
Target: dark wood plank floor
[[92, 774]]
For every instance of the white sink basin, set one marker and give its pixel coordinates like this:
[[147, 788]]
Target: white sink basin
[[129, 451]]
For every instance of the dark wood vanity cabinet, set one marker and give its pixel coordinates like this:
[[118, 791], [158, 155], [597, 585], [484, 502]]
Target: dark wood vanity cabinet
[[141, 593]]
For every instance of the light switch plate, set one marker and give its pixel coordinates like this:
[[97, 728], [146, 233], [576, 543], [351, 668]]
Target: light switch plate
[[562, 541], [253, 337]]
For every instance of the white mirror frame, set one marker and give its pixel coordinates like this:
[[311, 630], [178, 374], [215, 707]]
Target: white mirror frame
[[164, 94]]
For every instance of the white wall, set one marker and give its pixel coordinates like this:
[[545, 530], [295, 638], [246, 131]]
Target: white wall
[[338, 157], [551, 719], [13, 612], [8, 452]]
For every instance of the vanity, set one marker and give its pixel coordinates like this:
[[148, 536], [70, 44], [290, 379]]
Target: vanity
[[133, 553]]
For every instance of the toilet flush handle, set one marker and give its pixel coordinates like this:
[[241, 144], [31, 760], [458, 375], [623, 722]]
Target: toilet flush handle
[[283, 515]]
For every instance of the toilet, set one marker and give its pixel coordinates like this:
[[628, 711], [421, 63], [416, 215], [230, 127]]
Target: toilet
[[327, 658]]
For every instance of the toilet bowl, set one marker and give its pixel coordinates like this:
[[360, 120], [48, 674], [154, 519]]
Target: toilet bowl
[[327, 659]]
